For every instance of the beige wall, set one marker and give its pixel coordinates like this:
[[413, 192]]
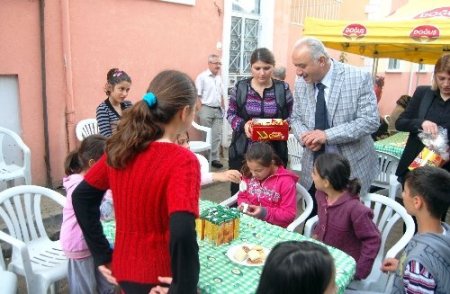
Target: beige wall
[[140, 37]]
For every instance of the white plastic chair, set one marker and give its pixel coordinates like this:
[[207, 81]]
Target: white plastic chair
[[201, 146], [301, 194], [295, 151], [307, 207], [8, 279], [10, 170], [386, 214], [85, 128], [387, 165], [34, 256]]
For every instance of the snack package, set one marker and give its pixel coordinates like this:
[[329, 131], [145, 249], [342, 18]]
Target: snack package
[[435, 152], [274, 129]]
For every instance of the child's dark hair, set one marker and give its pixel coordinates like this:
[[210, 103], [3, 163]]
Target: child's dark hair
[[433, 184], [114, 77], [261, 152], [336, 169], [77, 161], [142, 124], [297, 267], [264, 55]]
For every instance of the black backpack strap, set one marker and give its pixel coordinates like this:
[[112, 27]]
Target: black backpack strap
[[241, 98], [280, 96], [425, 103]]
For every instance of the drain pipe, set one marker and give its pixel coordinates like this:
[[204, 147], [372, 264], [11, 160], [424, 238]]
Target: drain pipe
[[48, 171], [67, 52]]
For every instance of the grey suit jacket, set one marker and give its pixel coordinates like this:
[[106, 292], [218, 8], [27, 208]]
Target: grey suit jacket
[[352, 116]]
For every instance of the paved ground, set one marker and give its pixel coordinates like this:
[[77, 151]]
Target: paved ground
[[215, 192]]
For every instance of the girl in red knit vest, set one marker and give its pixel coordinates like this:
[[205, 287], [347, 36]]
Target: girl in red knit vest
[[155, 185]]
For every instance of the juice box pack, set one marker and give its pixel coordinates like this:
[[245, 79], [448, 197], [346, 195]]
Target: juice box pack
[[427, 157], [218, 224], [266, 129]]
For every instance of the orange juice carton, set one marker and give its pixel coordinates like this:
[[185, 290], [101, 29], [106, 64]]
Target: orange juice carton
[[271, 129], [218, 225]]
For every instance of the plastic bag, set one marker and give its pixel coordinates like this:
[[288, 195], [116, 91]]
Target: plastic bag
[[435, 152], [107, 207]]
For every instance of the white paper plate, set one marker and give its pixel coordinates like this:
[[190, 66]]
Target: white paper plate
[[232, 250]]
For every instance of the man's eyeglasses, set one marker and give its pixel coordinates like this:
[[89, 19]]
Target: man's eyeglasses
[[217, 63]]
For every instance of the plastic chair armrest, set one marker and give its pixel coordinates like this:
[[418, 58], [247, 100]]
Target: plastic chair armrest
[[309, 226]]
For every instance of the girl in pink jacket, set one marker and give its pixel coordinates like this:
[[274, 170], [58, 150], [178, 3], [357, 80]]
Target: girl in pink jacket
[[268, 190], [83, 276]]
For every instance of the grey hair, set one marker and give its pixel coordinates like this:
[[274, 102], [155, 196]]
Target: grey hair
[[279, 72], [315, 46], [211, 57]]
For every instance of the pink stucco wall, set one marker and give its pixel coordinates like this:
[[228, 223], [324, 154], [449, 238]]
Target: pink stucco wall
[[84, 39], [19, 55]]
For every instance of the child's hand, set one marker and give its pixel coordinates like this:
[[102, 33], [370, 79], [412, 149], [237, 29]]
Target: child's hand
[[162, 289], [243, 207], [106, 272], [227, 176], [256, 211], [389, 265]]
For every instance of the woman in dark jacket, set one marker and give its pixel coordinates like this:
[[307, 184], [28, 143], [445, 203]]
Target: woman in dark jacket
[[428, 109]]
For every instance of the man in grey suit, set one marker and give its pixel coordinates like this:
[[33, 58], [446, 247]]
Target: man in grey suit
[[349, 112]]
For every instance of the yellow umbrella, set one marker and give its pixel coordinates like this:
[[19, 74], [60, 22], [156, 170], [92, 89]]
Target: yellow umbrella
[[423, 38]]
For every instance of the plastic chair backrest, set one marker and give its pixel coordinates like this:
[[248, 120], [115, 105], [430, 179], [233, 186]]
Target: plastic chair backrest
[[302, 194], [33, 251], [386, 214], [387, 165], [11, 169], [207, 130], [200, 146], [295, 151], [85, 128]]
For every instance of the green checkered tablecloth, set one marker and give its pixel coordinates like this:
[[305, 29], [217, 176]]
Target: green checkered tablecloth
[[393, 145], [219, 275]]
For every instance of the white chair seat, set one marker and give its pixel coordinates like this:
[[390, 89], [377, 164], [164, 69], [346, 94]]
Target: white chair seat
[[34, 256]]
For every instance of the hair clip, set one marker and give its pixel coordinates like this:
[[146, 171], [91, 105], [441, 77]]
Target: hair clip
[[150, 99], [117, 73]]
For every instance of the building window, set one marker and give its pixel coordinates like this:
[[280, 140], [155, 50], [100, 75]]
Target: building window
[[394, 64], [245, 22], [421, 67], [324, 9]]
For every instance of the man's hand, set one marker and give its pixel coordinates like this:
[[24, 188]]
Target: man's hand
[[106, 272], [389, 265], [314, 140]]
